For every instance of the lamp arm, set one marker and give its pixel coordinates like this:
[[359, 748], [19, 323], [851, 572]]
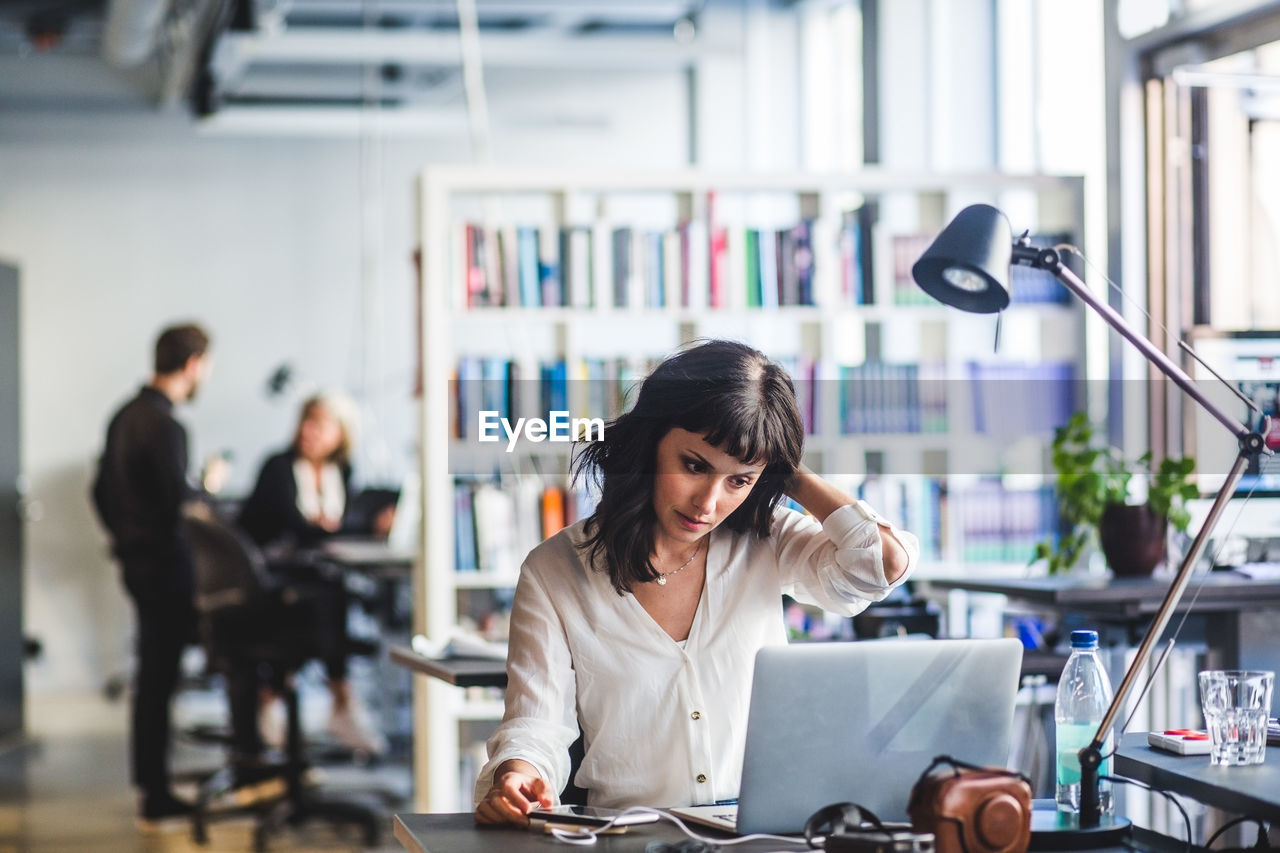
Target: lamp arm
[[1091, 755], [1251, 446]]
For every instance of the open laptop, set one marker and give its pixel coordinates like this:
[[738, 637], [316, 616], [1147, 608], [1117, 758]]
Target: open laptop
[[859, 722], [402, 540]]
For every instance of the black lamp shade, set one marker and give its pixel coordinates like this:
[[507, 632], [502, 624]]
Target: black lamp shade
[[967, 266]]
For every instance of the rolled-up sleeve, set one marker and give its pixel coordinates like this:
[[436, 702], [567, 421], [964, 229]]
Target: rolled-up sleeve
[[541, 718], [837, 565]]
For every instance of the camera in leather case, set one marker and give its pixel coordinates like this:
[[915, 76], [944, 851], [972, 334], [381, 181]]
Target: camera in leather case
[[972, 809]]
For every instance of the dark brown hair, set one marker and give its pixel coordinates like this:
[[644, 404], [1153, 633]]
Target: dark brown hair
[[177, 345], [726, 392]]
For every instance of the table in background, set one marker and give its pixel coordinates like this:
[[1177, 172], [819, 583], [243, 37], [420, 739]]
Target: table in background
[[461, 672], [389, 572], [1253, 791], [1132, 601]]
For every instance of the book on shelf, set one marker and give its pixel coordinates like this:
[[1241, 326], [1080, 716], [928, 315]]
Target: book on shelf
[[1000, 524], [770, 266], [797, 246], [497, 522], [589, 388], [493, 511], [913, 502], [804, 375], [530, 274], [578, 266], [551, 504], [686, 266], [673, 271], [701, 263], [550, 279], [653, 268], [907, 249], [621, 245], [857, 269], [464, 529], [718, 248], [882, 397], [1018, 398], [509, 253], [554, 387], [752, 275]]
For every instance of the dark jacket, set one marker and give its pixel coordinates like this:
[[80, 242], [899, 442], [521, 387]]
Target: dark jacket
[[141, 482], [271, 516]]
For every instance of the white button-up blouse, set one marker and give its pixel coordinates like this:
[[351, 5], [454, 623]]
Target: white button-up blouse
[[665, 724]]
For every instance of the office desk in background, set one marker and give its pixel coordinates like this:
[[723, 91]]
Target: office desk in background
[[460, 672], [385, 573], [1221, 602]]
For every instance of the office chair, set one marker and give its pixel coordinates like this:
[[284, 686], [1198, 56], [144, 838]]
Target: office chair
[[245, 621]]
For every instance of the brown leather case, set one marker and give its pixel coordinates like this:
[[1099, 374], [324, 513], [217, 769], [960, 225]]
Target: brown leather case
[[973, 811]]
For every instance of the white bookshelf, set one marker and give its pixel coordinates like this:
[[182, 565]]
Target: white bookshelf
[[831, 334]]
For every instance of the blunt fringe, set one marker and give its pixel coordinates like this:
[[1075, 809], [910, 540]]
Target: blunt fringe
[[731, 395]]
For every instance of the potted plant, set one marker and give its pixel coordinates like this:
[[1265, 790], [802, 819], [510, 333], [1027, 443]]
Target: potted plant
[[1093, 492]]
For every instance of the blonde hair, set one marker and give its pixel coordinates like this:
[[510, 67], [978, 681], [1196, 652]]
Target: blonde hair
[[343, 411]]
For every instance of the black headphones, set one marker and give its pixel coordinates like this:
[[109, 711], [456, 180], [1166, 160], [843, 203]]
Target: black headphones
[[850, 828], [839, 819]]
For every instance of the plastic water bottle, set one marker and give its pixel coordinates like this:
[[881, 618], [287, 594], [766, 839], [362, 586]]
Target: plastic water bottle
[[1084, 693]]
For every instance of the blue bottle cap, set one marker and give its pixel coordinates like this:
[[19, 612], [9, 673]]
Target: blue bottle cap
[[1084, 639]]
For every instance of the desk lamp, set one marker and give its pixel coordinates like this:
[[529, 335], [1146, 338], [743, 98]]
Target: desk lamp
[[967, 267]]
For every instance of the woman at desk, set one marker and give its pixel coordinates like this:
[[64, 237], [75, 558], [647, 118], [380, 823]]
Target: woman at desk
[[640, 623], [299, 500]]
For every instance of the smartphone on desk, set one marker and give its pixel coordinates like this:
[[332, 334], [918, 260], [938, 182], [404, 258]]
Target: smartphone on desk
[[588, 817]]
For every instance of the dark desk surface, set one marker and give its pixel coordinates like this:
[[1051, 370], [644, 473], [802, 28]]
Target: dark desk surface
[[464, 672], [458, 833], [1254, 791], [367, 554], [1222, 591]]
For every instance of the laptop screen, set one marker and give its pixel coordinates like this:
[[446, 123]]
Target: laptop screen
[[859, 722]]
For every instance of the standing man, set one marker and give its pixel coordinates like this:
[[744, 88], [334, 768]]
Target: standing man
[[139, 491]]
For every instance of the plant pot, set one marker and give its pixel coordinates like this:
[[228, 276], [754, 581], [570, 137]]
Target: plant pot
[[1132, 539]]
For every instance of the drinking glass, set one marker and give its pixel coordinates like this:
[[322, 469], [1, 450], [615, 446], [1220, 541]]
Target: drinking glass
[[1236, 704]]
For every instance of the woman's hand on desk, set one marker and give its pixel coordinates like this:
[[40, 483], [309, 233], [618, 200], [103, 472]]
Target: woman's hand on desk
[[517, 790]]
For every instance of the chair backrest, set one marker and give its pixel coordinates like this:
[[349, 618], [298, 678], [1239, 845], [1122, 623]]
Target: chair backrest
[[230, 569]]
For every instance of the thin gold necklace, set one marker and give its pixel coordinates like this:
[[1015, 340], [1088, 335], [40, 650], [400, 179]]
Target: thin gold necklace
[[662, 576]]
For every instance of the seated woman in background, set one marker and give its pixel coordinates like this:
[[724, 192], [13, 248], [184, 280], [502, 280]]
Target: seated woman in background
[[300, 499]]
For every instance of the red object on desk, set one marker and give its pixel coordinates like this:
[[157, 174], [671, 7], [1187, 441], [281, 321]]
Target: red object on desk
[[1180, 741]]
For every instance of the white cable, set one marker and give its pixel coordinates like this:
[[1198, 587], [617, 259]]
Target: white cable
[[588, 835]]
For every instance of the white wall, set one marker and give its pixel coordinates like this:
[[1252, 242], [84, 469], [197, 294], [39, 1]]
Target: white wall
[[123, 220]]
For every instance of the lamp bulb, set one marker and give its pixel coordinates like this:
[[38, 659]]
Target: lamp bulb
[[966, 280]]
